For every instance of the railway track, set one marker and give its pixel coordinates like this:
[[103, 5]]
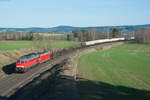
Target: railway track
[[11, 83]]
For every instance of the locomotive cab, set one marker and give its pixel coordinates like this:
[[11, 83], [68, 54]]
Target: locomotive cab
[[26, 62], [20, 65]]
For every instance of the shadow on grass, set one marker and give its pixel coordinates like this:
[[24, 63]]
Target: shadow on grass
[[3, 98], [94, 90], [47, 87], [9, 69], [41, 87], [88, 90]]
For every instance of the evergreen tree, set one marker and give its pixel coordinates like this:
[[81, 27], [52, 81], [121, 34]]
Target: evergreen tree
[[115, 33]]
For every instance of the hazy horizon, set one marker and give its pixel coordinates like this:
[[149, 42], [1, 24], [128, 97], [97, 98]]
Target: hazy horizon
[[74, 26], [77, 13]]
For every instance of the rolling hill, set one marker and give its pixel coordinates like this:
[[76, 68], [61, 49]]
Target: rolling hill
[[66, 29]]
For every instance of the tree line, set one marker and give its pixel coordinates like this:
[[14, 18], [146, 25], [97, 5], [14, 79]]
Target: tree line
[[8, 35], [89, 35], [141, 35]]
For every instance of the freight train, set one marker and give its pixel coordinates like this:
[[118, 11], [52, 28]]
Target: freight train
[[26, 62], [89, 43]]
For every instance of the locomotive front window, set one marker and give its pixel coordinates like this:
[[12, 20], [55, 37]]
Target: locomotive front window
[[18, 62], [22, 62]]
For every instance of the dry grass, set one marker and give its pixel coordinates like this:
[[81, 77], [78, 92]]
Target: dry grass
[[9, 57]]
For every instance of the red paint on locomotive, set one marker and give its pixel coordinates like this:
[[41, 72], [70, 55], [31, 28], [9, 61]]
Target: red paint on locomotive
[[27, 61], [44, 56]]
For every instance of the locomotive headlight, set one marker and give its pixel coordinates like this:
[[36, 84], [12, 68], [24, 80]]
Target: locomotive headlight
[[20, 66]]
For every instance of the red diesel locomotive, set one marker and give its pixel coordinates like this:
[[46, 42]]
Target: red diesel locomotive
[[27, 61]]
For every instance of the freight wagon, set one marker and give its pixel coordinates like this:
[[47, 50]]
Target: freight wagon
[[88, 43]]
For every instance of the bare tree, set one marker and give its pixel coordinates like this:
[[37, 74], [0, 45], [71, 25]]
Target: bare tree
[[143, 36], [1, 37], [91, 34]]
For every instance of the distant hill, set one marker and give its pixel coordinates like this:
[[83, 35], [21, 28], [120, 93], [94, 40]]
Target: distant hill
[[66, 29]]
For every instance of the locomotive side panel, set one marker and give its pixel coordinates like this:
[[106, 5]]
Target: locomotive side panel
[[27, 61], [44, 56]]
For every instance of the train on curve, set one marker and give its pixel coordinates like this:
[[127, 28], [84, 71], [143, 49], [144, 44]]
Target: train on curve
[[26, 62], [89, 43]]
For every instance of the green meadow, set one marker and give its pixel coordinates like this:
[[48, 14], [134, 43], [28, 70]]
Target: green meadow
[[120, 73], [16, 45]]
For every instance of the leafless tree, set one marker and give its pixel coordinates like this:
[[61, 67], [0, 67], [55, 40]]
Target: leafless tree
[[143, 36], [91, 34]]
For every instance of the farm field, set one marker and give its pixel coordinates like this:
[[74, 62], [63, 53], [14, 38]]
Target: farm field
[[120, 73], [15, 45]]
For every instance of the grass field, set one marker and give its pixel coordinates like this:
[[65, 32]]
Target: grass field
[[120, 73], [15, 45]]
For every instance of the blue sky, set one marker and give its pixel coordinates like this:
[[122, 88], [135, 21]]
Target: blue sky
[[50, 13]]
